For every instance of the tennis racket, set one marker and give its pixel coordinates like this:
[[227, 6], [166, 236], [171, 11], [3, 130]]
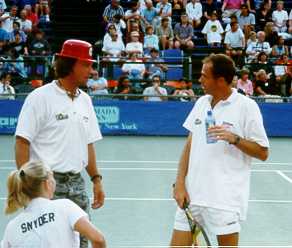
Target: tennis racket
[[199, 236]]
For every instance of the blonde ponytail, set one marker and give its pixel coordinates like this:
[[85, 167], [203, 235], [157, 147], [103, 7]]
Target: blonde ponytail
[[25, 184], [15, 198]]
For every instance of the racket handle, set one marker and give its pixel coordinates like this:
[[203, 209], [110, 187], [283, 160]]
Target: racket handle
[[186, 204]]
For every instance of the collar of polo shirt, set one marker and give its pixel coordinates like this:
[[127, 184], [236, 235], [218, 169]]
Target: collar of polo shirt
[[68, 93], [230, 99]]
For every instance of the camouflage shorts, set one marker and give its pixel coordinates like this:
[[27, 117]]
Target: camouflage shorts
[[72, 186]]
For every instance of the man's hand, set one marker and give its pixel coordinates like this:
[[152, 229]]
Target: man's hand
[[180, 194], [98, 195], [156, 88], [221, 133]]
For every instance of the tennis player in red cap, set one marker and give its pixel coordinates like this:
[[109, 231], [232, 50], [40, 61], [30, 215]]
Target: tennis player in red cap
[[58, 126]]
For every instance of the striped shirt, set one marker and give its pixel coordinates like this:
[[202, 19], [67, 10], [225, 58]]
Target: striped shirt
[[259, 47], [110, 12], [166, 8]]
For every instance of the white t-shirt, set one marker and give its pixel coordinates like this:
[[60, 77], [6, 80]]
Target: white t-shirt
[[209, 24], [280, 70], [8, 23], [25, 25], [194, 11], [130, 12], [153, 95], [234, 39], [214, 37], [142, 5], [134, 46], [120, 26], [101, 82], [3, 4], [128, 67], [279, 17], [7, 92], [44, 223], [58, 129], [219, 173], [108, 38], [290, 15], [114, 47]]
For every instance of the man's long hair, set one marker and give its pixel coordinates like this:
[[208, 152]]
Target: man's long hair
[[63, 66]]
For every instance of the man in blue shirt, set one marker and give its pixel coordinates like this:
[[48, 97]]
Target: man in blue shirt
[[4, 36], [149, 14], [183, 33]]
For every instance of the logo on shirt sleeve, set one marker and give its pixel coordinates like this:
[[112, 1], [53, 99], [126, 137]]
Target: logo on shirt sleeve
[[198, 122]]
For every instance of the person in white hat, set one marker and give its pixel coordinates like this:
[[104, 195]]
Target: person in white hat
[[58, 125], [134, 46]]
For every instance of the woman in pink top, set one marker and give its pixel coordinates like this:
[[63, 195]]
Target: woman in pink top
[[244, 83], [229, 8]]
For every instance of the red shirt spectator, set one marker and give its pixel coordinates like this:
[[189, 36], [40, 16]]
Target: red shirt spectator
[[233, 4], [31, 16]]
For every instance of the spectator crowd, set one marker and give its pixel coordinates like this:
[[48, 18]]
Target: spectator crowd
[[257, 34], [23, 44]]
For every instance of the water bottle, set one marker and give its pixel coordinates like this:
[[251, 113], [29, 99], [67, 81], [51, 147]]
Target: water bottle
[[210, 122]]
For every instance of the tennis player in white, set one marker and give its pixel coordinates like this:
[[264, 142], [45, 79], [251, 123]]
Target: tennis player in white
[[214, 178]]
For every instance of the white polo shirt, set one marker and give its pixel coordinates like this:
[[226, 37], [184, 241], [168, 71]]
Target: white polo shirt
[[219, 173], [58, 129], [280, 17], [44, 224]]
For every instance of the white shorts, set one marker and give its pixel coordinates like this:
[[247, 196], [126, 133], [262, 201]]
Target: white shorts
[[214, 221]]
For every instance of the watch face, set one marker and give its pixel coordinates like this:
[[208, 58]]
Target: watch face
[[237, 140]]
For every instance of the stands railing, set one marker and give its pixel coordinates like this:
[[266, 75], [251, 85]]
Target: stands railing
[[41, 68], [137, 97], [31, 67]]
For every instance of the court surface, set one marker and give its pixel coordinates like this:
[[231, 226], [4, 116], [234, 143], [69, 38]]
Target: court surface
[[138, 173]]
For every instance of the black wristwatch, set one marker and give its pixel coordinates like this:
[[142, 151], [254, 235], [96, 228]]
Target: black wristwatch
[[96, 176], [237, 140]]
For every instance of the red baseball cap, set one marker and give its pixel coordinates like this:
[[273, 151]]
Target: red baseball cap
[[77, 49]]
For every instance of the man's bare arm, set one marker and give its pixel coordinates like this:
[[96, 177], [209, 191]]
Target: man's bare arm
[[22, 147]]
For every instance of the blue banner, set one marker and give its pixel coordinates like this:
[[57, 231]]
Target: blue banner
[[142, 118], [9, 111], [152, 118]]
